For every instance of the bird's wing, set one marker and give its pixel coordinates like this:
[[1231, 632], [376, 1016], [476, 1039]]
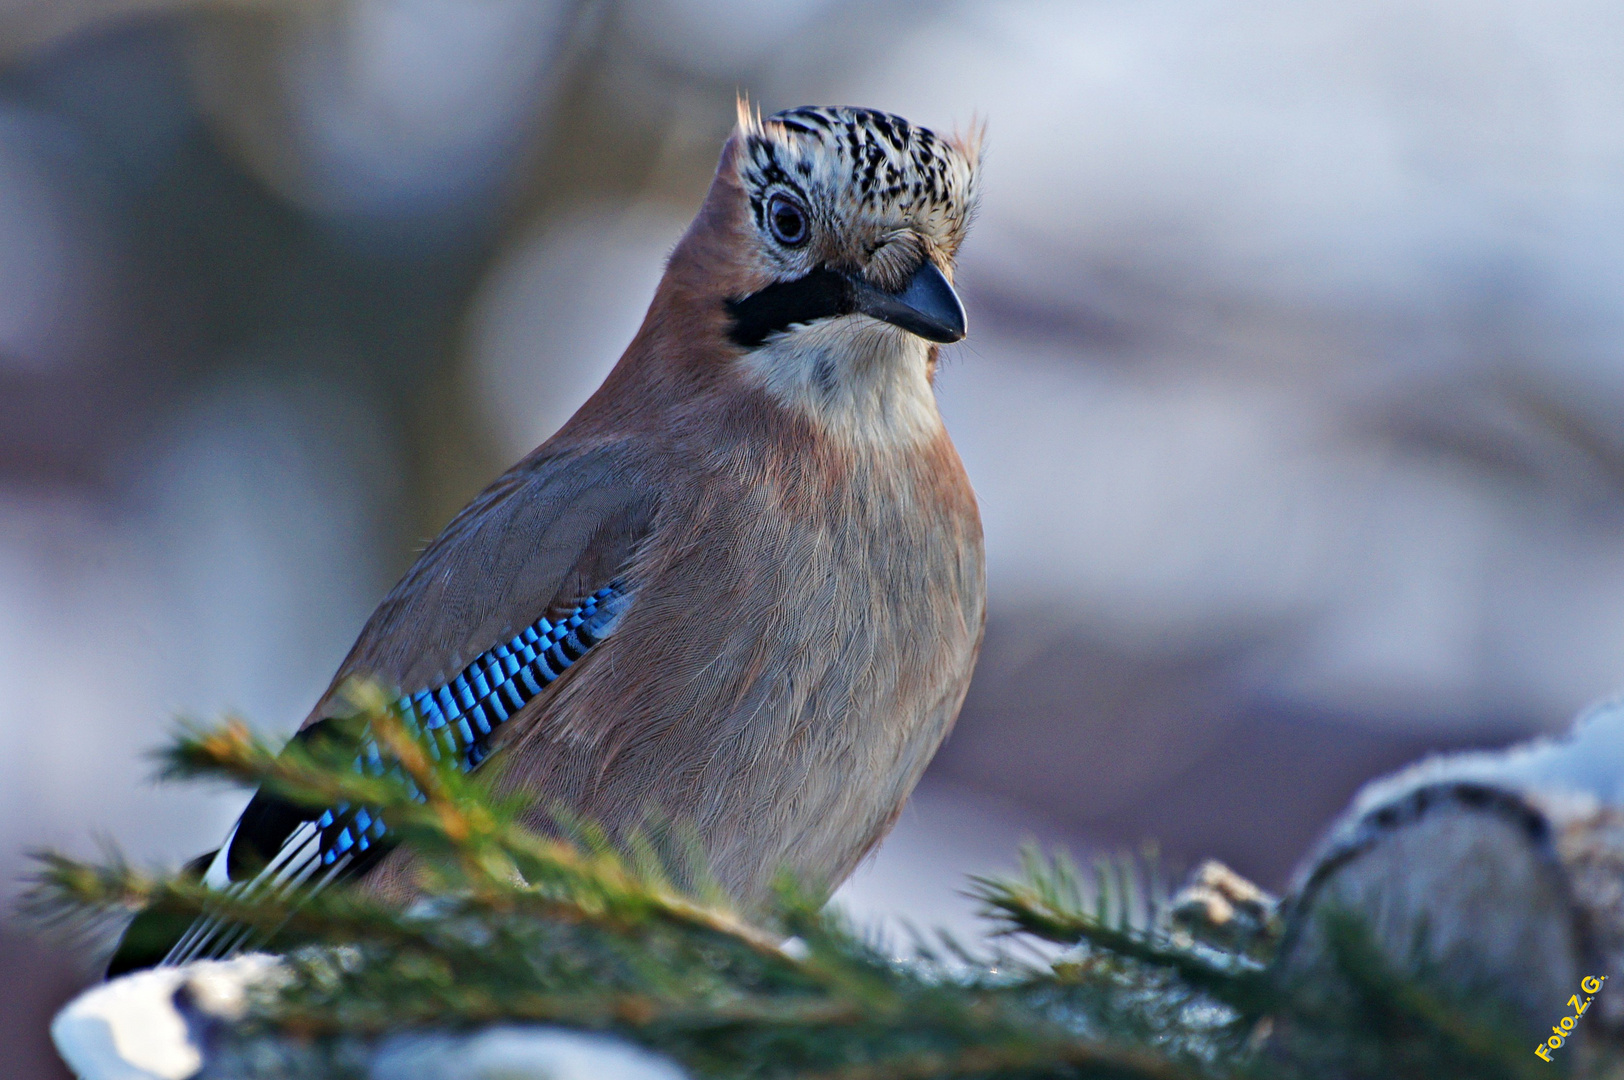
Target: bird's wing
[[549, 532], [521, 585]]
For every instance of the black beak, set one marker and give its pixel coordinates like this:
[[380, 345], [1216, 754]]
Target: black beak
[[926, 306]]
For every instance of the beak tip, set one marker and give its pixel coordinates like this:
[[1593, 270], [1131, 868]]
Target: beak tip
[[933, 296], [927, 306]]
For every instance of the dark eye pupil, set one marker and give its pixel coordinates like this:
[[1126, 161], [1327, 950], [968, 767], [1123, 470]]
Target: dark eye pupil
[[788, 223]]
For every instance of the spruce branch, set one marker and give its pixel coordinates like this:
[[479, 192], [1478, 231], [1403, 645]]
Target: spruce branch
[[620, 935], [1048, 901]]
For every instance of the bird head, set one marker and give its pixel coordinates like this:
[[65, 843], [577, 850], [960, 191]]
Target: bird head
[[854, 213], [824, 253]]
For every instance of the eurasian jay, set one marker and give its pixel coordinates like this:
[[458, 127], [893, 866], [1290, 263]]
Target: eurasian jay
[[743, 587]]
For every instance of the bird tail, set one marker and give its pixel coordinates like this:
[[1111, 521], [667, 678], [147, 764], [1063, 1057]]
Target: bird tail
[[148, 939], [164, 939], [274, 849]]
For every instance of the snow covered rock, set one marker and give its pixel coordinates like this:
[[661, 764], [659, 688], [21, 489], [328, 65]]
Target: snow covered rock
[[517, 1053], [176, 1024], [147, 1026]]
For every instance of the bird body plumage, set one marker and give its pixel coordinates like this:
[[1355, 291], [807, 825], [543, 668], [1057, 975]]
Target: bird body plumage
[[790, 541]]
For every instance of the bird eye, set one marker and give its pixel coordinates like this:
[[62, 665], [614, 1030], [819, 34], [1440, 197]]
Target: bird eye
[[787, 221]]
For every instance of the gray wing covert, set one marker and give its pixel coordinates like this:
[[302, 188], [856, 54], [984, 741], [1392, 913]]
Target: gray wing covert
[[546, 534]]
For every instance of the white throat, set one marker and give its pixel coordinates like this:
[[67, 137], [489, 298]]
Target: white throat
[[861, 380]]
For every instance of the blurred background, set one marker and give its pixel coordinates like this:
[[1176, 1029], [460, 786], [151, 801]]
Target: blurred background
[[1293, 395]]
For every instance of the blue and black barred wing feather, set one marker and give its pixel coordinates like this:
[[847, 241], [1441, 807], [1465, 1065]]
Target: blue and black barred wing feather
[[278, 846], [555, 536]]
